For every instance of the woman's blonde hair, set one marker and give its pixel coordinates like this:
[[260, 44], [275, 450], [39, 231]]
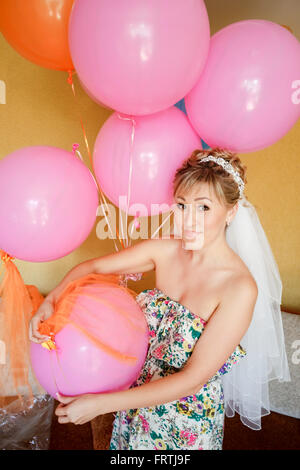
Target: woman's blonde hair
[[193, 172]]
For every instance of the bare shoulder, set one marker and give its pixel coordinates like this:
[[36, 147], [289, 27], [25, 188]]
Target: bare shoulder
[[237, 299], [241, 284], [241, 277], [162, 247]]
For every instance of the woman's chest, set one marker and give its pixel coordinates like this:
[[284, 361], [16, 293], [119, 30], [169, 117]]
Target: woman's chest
[[199, 290]]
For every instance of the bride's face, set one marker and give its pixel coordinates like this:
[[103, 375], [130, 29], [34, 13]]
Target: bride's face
[[199, 217]]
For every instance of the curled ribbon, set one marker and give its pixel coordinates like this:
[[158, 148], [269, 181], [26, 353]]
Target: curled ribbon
[[133, 277], [102, 196]]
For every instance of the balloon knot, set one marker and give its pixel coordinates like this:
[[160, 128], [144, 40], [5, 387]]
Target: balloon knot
[[70, 78], [50, 345], [75, 147]]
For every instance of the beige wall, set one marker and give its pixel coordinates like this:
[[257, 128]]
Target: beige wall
[[273, 173], [40, 110], [224, 12]]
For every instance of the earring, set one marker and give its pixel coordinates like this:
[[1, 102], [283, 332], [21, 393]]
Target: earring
[[227, 223]]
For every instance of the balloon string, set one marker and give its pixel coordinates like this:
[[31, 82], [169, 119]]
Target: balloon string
[[52, 368], [136, 223], [61, 369], [102, 196], [55, 351], [75, 150], [130, 172], [161, 225], [59, 366], [130, 165]]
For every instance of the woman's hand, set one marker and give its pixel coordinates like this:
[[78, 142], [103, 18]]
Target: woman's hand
[[82, 408], [45, 311]]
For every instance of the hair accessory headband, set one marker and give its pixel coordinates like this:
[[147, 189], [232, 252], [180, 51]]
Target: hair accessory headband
[[227, 167]]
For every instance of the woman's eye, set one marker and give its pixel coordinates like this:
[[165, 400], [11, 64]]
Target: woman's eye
[[181, 206]]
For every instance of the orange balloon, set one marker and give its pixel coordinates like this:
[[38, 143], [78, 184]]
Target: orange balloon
[[38, 30]]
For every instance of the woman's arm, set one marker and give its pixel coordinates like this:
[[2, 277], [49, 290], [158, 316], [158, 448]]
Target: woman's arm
[[137, 258], [223, 332], [82, 269], [160, 391], [219, 339], [83, 408]]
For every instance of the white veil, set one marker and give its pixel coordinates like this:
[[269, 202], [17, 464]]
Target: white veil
[[246, 385]]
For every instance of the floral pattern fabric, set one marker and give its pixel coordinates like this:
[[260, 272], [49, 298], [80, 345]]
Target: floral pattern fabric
[[195, 422]]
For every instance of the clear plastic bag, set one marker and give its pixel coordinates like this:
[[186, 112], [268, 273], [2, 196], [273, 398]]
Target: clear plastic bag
[[26, 409], [25, 425]]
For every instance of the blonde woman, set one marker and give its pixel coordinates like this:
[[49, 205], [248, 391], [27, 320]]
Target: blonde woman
[[202, 317]]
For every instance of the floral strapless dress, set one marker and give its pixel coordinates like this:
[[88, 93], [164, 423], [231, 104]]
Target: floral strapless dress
[[195, 422]]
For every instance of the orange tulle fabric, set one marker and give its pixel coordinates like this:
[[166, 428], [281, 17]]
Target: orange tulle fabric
[[18, 303], [84, 319]]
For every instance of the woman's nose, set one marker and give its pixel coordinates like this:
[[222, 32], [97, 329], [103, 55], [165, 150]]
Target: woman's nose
[[193, 219], [190, 217]]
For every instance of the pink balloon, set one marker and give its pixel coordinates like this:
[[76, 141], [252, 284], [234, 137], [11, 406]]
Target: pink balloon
[[93, 97], [139, 57], [48, 203], [245, 99], [78, 365], [161, 142]]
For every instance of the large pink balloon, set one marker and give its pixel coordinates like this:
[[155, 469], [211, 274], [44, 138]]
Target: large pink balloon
[[245, 99], [88, 92], [139, 56], [78, 365], [48, 203], [161, 142]]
